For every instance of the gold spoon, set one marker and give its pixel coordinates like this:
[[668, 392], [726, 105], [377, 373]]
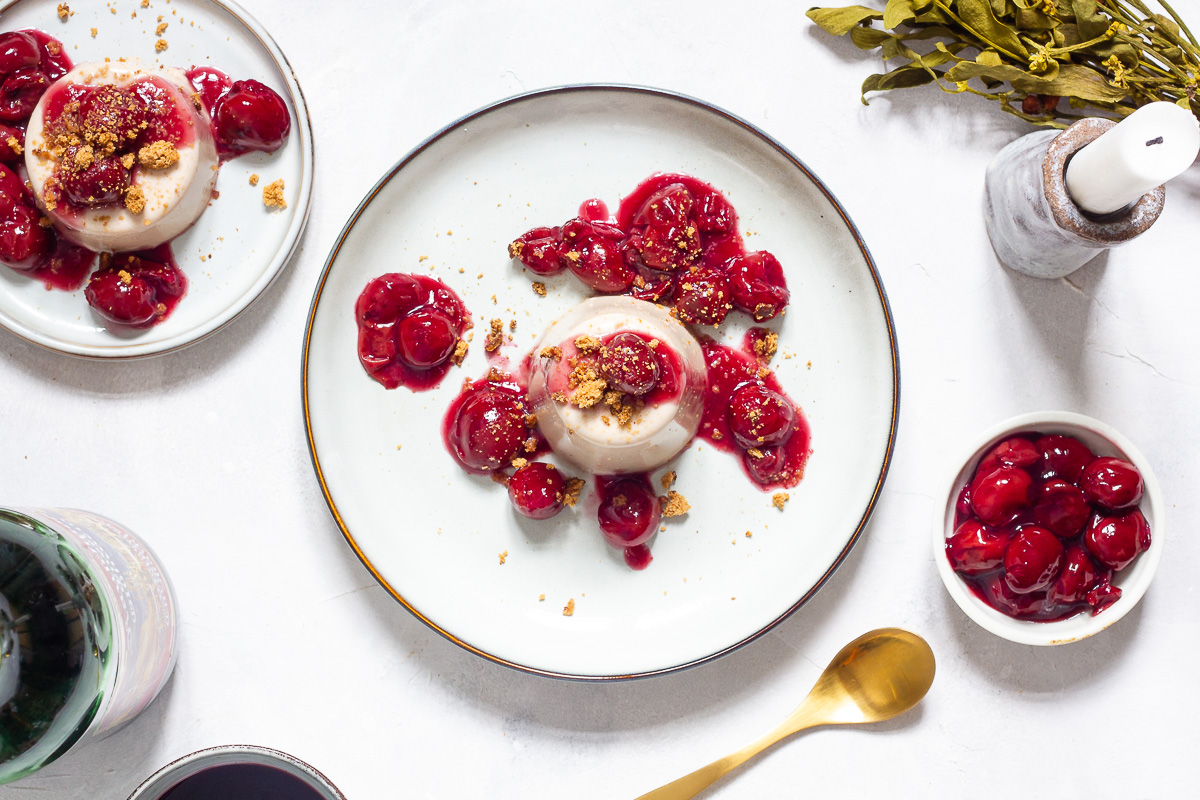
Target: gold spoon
[[878, 676]]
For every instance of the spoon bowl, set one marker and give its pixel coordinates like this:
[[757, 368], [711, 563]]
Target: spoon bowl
[[876, 677]]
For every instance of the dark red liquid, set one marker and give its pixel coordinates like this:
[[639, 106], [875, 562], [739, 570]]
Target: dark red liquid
[[729, 369], [242, 782]]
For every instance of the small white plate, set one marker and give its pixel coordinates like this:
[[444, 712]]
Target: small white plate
[[244, 245], [432, 534]]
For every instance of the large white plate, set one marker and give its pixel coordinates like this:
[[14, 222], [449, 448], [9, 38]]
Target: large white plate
[[244, 245], [431, 534]]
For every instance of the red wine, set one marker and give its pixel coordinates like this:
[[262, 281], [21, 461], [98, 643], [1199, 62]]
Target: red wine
[[242, 782]]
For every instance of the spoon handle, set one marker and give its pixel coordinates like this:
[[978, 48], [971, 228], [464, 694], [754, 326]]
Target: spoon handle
[[692, 784]]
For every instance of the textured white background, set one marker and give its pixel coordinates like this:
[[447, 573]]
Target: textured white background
[[288, 642]]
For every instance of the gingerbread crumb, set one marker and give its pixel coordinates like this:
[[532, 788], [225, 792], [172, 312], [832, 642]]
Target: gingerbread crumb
[[14, 145], [160, 45], [93, 33], [569, 609], [766, 347], [495, 336], [531, 420], [460, 352], [674, 504], [541, 597], [125, 277], [273, 195], [503, 557], [158, 155], [515, 248], [551, 352], [128, 160], [779, 498], [64, 11], [520, 463], [135, 199], [574, 488], [539, 288], [754, 452], [84, 157], [588, 344], [158, 31], [531, 445], [254, 179], [748, 534], [668, 480]]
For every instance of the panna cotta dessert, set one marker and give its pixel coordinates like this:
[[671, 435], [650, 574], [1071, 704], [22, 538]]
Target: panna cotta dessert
[[617, 386], [119, 156]]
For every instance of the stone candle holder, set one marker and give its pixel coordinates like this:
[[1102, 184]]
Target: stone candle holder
[[1034, 226]]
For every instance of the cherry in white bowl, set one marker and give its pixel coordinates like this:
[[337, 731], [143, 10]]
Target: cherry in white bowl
[[1106, 466]]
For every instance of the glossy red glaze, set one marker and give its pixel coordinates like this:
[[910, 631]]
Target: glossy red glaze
[[1115, 541], [973, 549], [210, 83], [1032, 559], [998, 496]]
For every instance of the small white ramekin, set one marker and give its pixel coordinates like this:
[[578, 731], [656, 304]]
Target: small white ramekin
[[1133, 580], [174, 773]]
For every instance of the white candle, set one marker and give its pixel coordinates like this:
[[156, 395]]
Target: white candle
[[1144, 150]]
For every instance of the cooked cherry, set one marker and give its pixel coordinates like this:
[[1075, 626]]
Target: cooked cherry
[[12, 190], [537, 490], [973, 549], [426, 338], [1014, 604], [23, 240], [20, 92], [1063, 457], [1112, 483], [539, 250], [629, 513], [664, 236], [702, 296], [251, 116], [760, 417], [389, 297], [488, 429], [758, 286], [766, 465], [712, 213], [133, 291], [11, 144], [998, 496], [1117, 540], [1077, 578], [1032, 560], [117, 112], [102, 182], [1103, 596], [1061, 507], [591, 251], [1016, 451], [211, 84], [17, 51], [629, 364]]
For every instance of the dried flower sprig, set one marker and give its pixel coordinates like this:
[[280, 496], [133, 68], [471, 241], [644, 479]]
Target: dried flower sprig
[[1110, 56]]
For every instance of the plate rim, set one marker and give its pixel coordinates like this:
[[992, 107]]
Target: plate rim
[[663, 94], [283, 256]]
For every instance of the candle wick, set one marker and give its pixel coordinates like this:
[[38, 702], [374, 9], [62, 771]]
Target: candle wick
[[1159, 140]]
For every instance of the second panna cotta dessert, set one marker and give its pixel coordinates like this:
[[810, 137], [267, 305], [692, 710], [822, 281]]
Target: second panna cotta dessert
[[617, 385], [119, 156]]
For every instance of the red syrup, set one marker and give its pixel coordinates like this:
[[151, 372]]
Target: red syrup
[[408, 329], [774, 446], [242, 781], [247, 116], [1044, 525]]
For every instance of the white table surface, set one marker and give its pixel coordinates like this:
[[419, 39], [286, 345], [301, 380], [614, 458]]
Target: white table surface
[[288, 642]]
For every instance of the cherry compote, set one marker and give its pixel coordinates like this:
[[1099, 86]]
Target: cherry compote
[[629, 514], [409, 328], [674, 240], [1043, 526]]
